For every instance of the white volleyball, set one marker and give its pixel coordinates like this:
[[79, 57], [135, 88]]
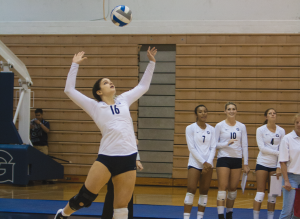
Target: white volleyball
[[121, 15]]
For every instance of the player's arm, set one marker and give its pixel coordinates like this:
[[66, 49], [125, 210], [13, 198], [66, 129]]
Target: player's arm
[[244, 143], [261, 144], [217, 137], [87, 104], [189, 133], [134, 94]]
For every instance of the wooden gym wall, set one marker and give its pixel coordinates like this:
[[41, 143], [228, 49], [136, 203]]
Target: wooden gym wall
[[257, 71]]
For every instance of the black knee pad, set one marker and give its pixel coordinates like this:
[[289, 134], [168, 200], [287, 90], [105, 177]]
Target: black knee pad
[[83, 199]]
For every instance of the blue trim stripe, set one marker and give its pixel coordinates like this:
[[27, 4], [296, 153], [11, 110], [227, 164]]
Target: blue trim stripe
[[123, 8], [119, 21]]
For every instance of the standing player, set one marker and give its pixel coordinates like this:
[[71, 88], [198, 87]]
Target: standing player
[[268, 138], [201, 142], [289, 153], [232, 142], [118, 150]]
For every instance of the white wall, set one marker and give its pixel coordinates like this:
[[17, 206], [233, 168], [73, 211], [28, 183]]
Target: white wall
[[150, 16]]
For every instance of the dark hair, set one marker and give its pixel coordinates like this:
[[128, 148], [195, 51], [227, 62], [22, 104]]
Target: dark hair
[[266, 113], [96, 88], [201, 105], [230, 103], [38, 111]]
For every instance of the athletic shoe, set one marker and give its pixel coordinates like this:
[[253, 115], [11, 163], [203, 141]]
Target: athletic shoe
[[221, 216], [229, 215], [59, 215]]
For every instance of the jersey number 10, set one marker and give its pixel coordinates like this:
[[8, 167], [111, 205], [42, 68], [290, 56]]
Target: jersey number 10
[[114, 111], [232, 135]]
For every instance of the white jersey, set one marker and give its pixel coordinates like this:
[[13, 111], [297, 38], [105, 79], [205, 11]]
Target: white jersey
[[201, 144], [268, 143], [224, 133], [289, 151], [114, 121]]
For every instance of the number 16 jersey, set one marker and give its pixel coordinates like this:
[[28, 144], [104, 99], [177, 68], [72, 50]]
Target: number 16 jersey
[[114, 121]]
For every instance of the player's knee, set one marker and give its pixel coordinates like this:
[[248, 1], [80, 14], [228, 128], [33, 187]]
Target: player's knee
[[120, 213], [232, 195], [83, 199], [202, 200], [271, 199], [189, 198], [259, 197], [221, 195]]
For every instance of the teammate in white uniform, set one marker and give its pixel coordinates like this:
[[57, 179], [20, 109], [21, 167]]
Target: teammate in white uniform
[[118, 150], [289, 153], [201, 142], [268, 138], [232, 145]]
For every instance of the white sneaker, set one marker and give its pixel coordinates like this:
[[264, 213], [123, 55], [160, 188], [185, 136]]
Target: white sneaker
[[59, 215]]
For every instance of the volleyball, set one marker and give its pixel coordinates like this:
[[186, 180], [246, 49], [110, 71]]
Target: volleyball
[[121, 15]]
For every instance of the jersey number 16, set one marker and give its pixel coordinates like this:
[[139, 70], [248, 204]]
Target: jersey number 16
[[114, 111]]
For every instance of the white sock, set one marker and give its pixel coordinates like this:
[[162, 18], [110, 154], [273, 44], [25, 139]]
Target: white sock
[[270, 214], [220, 209], [229, 210], [200, 215], [64, 214], [255, 214], [186, 215]]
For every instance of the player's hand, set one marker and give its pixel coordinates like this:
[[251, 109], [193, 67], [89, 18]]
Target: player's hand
[[278, 173], [207, 166], [287, 185], [139, 165], [246, 169], [151, 53], [231, 141], [78, 58]]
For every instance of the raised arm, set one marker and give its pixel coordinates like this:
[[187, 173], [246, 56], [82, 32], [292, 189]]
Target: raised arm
[[84, 102], [189, 134], [261, 144], [134, 94]]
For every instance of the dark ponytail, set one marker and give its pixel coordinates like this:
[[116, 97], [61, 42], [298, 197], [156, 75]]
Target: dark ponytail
[[266, 114], [96, 88]]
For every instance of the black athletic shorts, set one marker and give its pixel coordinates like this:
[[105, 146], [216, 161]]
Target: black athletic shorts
[[189, 167], [229, 162], [118, 164], [261, 167]]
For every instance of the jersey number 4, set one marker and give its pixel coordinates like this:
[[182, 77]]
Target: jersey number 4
[[272, 142], [115, 110], [232, 135]]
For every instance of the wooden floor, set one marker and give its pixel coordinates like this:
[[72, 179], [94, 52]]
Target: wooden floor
[[152, 195]]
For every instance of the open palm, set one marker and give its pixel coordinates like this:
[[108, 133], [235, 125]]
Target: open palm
[[78, 58], [151, 53]]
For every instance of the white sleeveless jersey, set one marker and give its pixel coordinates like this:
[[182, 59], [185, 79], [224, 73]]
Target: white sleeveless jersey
[[268, 143], [201, 144], [239, 148], [114, 121]]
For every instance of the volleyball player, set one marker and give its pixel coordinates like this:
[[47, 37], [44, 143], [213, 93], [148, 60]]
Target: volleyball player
[[232, 145], [118, 150], [201, 142], [268, 138]]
